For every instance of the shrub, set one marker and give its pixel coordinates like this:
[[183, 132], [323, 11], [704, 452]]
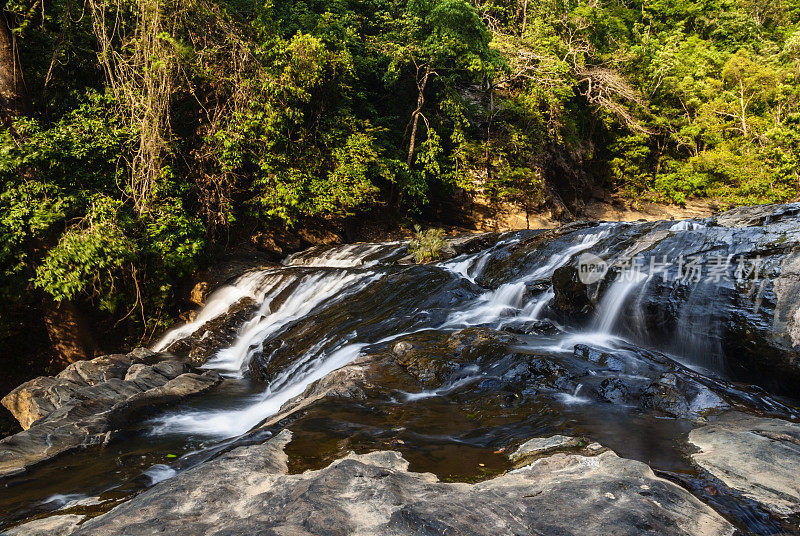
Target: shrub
[[427, 245]]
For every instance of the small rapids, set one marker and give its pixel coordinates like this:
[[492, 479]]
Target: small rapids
[[462, 358]]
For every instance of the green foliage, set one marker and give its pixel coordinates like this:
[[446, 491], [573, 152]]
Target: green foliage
[[69, 229], [427, 245]]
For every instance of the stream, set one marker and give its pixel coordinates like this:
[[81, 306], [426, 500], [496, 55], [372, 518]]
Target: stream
[[468, 357]]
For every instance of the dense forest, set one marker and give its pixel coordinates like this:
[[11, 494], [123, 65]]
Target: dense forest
[[139, 135]]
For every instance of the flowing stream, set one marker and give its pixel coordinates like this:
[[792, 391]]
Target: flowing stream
[[490, 361]]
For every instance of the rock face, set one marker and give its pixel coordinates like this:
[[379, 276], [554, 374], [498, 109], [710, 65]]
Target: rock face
[[758, 457], [734, 310], [217, 333], [248, 491], [41, 396], [85, 403], [570, 294]]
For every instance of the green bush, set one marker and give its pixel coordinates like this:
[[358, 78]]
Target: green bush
[[427, 245]]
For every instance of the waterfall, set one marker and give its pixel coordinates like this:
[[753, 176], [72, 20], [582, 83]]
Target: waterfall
[[574, 398], [346, 256], [288, 384], [256, 285], [311, 291], [612, 306], [696, 337], [508, 299], [468, 266], [558, 260], [316, 281], [490, 306]]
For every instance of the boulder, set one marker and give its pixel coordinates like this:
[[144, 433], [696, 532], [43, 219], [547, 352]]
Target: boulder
[[539, 446], [41, 396], [89, 401], [571, 297], [219, 332], [615, 390], [666, 397]]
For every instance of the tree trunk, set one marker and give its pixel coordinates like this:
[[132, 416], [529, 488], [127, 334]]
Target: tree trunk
[[12, 85], [415, 115], [69, 334]]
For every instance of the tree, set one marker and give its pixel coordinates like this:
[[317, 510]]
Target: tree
[[12, 83], [442, 40]]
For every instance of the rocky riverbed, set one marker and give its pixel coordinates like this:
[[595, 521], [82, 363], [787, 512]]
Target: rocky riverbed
[[499, 391]]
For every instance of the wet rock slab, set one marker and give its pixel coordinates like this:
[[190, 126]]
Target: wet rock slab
[[89, 401], [248, 491], [758, 457], [542, 445]]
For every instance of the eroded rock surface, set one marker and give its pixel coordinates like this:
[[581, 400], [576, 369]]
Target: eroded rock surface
[[248, 491], [742, 317], [757, 456], [87, 402], [62, 525]]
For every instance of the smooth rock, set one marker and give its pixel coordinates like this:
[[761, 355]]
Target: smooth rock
[[541, 445], [757, 456], [50, 526], [249, 491], [41, 396], [62, 414]]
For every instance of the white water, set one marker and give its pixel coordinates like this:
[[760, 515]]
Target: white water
[[508, 299], [287, 385], [686, 225], [312, 291], [295, 295], [346, 256], [533, 310], [566, 343], [69, 500], [613, 303], [574, 398], [471, 377], [284, 298], [159, 472], [490, 306], [468, 266], [255, 285], [558, 260]]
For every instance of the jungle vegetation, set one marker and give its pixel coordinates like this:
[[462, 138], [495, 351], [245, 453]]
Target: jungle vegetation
[[137, 134]]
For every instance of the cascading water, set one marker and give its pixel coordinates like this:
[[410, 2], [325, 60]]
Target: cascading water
[[509, 299], [612, 306], [331, 277], [256, 285], [466, 356], [291, 383], [311, 281], [347, 256], [310, 291]]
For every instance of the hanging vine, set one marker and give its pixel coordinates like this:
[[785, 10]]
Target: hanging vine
[[139, 61]]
